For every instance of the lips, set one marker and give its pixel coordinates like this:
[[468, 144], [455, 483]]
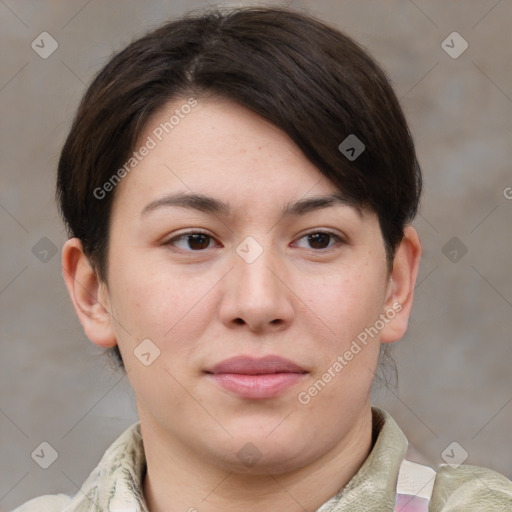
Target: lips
[[253, 378], [252, 366]]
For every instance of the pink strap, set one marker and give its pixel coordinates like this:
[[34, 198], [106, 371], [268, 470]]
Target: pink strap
[[407, 503]]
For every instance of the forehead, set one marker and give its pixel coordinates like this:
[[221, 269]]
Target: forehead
[[219, 157], [218, 144]]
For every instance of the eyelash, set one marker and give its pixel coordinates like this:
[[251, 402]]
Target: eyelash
[[199, 232]]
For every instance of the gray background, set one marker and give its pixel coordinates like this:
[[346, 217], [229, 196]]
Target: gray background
[[455, 382]]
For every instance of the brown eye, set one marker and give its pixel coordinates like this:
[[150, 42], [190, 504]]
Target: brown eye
[[192, 241], [319, 240]]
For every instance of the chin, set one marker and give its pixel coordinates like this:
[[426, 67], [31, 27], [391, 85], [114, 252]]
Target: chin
[[253, 459], [266, 450]]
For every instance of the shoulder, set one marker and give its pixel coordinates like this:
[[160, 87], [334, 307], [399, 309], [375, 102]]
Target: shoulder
[[115, 479], [47, 503], [470, 488]]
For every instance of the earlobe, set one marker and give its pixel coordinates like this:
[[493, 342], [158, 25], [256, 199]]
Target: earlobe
[[87, 294], [401, 284]]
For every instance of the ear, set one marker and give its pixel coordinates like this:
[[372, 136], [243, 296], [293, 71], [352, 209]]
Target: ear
[[89, 295], [400, 290]]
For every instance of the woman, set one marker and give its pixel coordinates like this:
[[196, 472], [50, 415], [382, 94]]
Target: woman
[[238, 190]]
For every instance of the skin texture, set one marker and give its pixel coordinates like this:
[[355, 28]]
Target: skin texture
[[298, 300]]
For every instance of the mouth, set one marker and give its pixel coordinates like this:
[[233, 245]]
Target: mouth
[[256, 378]]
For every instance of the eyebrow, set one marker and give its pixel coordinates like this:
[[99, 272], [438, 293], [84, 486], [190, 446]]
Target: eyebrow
[[208, 204]]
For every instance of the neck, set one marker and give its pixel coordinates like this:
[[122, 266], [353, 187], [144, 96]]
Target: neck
[[178, 480]]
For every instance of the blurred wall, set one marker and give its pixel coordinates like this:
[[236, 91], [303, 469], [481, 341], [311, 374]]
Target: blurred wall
[[455, 383]]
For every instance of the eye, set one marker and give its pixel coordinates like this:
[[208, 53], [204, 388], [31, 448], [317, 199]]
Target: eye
[[192, 240], [319, 239], [196, 241]]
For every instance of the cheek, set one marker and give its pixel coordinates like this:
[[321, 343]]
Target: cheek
[[343, 307], [347, 302], [167, 307]]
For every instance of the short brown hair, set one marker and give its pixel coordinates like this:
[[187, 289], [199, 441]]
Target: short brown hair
[[306, 77]]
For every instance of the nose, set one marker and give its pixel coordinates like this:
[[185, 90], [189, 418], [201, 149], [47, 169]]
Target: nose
[[256, 293]]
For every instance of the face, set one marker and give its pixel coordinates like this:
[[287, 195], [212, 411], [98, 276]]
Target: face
[[243, 274]]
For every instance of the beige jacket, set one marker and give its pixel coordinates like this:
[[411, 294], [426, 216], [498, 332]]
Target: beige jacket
[[115, 485]]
